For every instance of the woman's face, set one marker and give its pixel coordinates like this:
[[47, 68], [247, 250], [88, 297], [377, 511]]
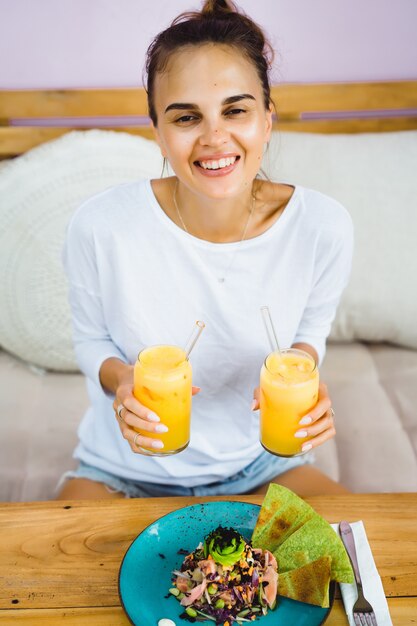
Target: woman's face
[[212, 122]]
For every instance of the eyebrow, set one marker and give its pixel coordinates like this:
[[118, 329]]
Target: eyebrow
[[189, 105]]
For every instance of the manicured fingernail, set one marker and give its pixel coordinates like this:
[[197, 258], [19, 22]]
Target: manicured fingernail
[[157, 444], [254, 404], [153, 417], [161, 428], [307, 419], [301, 433], [306, 446]]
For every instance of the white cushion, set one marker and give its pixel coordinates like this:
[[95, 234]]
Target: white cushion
[[38, 193], [375, 176], [374, 396]]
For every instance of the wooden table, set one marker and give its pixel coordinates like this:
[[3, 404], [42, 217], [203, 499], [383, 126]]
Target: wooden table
[[60, 561]]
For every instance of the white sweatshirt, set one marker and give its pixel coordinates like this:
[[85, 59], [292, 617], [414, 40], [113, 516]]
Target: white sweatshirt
[[136, 279]]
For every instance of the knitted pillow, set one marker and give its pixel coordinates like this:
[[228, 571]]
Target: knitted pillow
[[38, 193], [374, 176]]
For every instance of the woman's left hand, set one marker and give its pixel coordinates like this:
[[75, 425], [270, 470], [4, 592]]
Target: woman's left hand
[[318, 423]]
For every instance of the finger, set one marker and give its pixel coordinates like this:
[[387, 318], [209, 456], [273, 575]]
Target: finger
[[255, 401], [118, 411], [323, 405], [195, 390], [321, 425], [140, 440], [317, 412], [133, 420], [116, 405], [319, 440], [148, 423], [134, 406]]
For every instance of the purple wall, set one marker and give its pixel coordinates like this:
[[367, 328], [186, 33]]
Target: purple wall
[[101, 43]]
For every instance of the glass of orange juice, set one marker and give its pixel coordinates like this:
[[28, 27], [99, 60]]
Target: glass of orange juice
[[289, 389], [162, 383]]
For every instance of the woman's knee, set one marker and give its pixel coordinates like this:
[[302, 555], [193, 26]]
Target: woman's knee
[[85, 489]]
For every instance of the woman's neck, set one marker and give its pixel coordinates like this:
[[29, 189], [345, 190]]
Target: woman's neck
[[222, 220]]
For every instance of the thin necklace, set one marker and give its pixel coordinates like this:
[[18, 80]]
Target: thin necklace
[[221, 279]]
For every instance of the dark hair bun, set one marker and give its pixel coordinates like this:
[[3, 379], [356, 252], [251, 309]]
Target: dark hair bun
[[218, 7]]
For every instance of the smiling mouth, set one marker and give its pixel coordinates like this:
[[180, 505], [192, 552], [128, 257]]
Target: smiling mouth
[[217, 164]]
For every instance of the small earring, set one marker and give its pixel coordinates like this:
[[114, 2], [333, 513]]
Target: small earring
[[164, 167]]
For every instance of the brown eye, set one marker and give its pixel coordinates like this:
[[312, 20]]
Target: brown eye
[[235, 112], [186, 119]]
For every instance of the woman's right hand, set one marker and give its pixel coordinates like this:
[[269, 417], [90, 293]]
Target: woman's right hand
[[132, 417]]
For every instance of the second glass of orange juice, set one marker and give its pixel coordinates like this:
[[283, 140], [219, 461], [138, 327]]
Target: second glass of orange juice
[[162, 383], [289, 390]]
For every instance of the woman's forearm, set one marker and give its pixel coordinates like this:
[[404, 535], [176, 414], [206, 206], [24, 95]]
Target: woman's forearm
[[114, 372]]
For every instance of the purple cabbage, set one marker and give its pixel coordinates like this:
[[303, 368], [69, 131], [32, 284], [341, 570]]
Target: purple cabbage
[[255, 578]]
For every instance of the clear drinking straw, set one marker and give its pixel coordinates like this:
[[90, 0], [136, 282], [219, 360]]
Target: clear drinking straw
[[198, 329], [270, 330]]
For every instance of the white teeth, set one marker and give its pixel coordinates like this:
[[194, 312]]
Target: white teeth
[[216, 165]]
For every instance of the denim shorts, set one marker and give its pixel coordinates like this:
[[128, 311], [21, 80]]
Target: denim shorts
[[262, 470]]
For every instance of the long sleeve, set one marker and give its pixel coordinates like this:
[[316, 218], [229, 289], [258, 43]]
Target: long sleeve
[[329, 280], [91, 338]]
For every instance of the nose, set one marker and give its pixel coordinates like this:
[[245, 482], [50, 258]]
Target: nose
[[214, 133]]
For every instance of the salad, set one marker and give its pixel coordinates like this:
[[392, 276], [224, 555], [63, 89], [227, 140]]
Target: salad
[[226, 580]]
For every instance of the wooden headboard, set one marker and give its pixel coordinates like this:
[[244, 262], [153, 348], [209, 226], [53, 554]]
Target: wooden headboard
[[30, 117]]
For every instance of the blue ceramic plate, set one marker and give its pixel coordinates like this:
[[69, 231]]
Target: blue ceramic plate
[[145, 572]]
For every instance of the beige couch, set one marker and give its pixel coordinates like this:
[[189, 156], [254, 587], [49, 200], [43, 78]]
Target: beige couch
[[371, 362]]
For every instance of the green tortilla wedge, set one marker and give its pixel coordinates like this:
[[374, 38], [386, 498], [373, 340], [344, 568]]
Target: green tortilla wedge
[[282, 513], [309, 583], [316, 538], [308, 551]]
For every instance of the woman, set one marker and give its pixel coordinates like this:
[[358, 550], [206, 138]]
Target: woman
[[213, 242]]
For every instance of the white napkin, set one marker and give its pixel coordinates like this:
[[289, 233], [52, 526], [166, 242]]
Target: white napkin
[[371, 581]]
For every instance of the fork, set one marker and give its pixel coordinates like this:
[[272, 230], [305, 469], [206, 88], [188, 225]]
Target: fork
[[363, 613]]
